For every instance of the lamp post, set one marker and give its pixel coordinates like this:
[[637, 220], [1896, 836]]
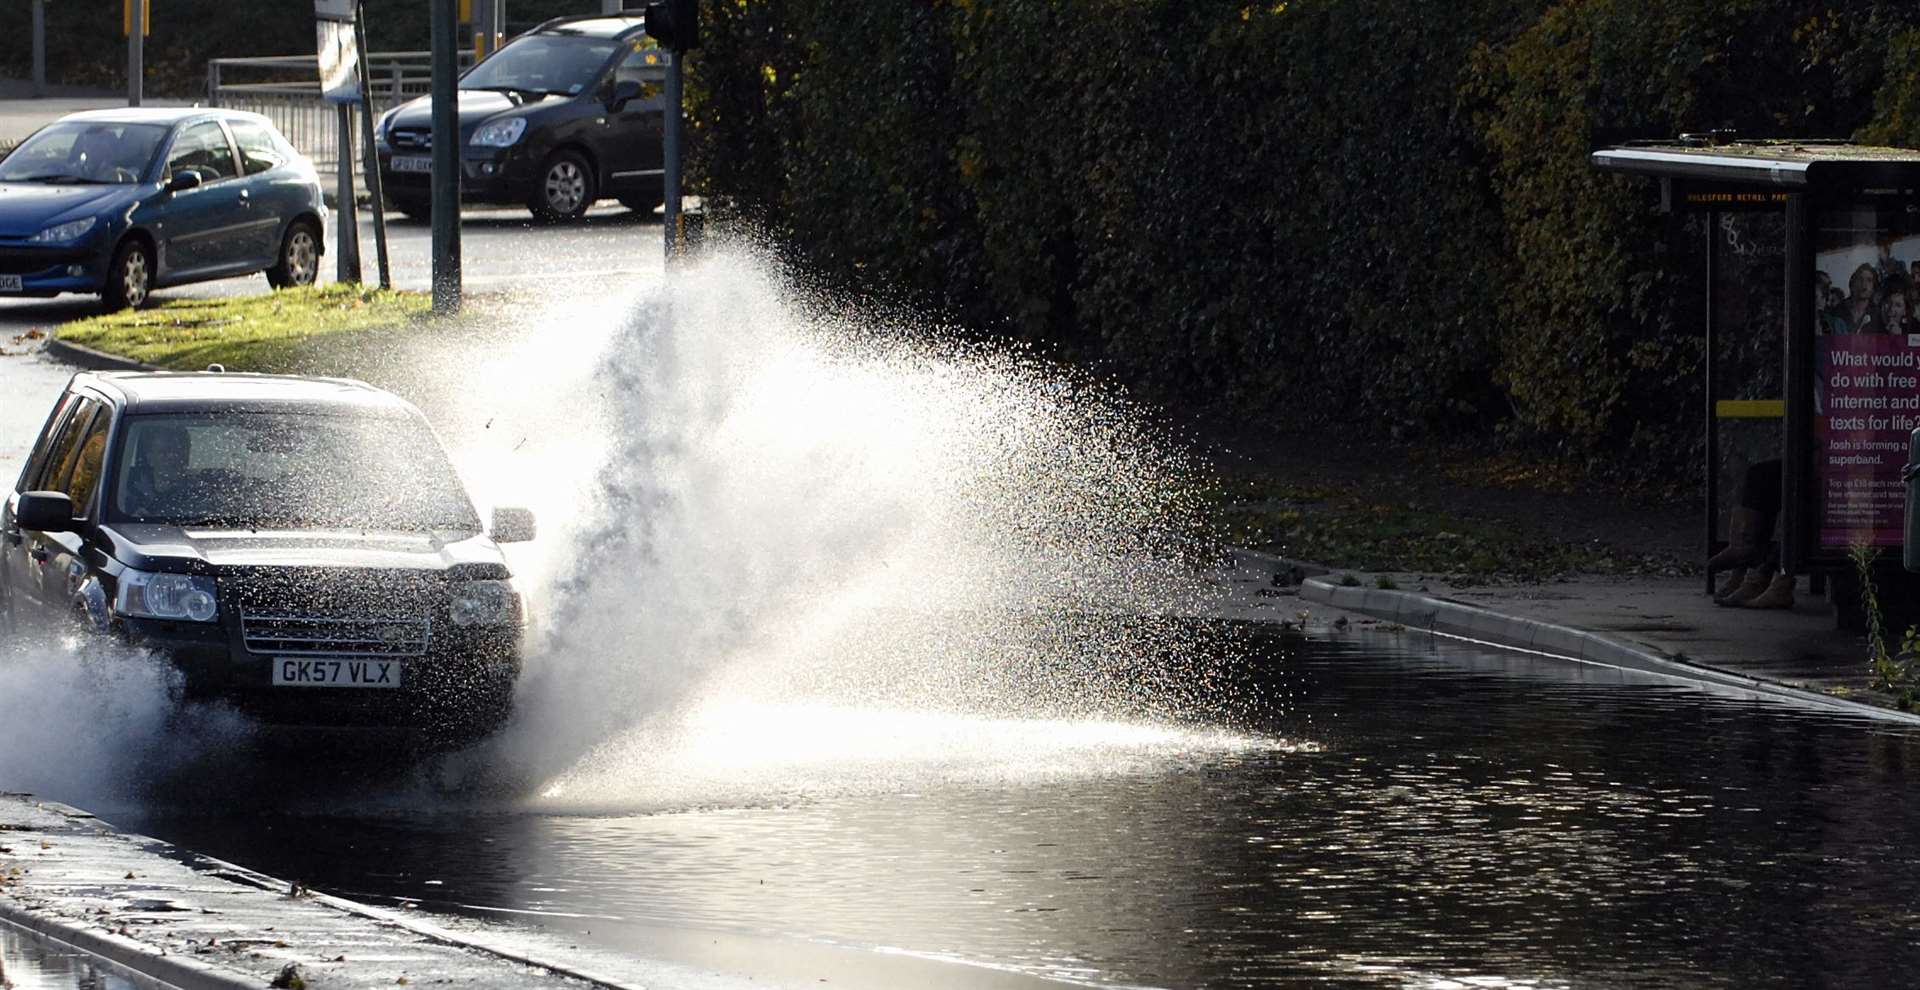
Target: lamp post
[[675, 24], [446, 160]]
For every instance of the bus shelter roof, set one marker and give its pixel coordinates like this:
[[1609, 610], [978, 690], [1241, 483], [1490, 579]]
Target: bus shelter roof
[[1801, 164]]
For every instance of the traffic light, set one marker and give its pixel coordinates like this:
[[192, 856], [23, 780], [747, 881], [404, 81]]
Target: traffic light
[[675, 24]]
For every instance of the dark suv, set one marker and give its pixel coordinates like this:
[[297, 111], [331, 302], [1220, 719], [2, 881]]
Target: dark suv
[[562, 116], [300, 547]]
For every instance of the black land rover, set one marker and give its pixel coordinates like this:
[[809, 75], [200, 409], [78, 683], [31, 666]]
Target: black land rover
[[562, 116], [299, 547]]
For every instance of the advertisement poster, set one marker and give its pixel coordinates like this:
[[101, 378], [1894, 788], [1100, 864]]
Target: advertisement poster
[[1868, 384], [1872, 403]]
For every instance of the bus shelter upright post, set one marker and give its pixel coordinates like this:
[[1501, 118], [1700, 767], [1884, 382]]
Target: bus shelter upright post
[[1797, 443], [1713, 421]]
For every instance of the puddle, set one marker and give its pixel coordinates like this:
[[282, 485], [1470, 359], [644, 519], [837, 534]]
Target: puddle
[[28, 962]]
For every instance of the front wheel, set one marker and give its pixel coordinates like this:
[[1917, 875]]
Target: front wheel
[[130, 277], [564, 189], [299, 260]]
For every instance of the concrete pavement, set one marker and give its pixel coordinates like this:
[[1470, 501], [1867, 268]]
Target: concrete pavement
[[155, 912], [1660, 625], [29, 382]]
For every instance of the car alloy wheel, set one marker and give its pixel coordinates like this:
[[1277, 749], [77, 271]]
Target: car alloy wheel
[[303, 257], [129, 277], [134, 279], [299, 261], [566, 188]]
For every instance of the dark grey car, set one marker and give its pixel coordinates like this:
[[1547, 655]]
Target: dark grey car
[[564, 115], [297, 547]]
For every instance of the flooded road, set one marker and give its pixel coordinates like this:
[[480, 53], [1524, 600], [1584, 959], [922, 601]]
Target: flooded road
[[1416, 813], [858, 641]]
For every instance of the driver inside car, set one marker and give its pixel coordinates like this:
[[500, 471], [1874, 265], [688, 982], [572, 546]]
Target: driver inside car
[[157, 482], [96, 155]]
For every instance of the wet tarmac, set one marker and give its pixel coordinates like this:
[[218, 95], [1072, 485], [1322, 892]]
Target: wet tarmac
[[1414, 813]]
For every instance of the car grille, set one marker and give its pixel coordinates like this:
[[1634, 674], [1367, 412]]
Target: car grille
[[410, 138], [334, 613], [268, 634], [31, 261]]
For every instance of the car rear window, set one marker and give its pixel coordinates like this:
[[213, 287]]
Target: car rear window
[[258, 150]]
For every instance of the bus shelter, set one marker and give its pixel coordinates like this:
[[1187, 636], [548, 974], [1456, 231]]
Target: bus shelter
[[1807, 258]]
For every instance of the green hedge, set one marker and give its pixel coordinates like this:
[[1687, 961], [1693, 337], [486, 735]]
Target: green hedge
[[1340, 211]]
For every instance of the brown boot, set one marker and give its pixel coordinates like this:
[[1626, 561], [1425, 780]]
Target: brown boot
[[1735, 578], [1779, 594], [1758, 579], [1744, 539]]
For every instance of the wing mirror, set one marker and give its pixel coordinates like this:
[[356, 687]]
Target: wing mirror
[[183, 181], [52, 512], [512, 525], [624, 92]]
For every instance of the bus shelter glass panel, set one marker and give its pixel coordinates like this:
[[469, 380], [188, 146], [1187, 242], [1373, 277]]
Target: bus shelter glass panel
[[1867, 385], [1749, 312]]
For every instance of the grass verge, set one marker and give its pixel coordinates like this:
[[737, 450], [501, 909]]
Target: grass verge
[[281, 331]]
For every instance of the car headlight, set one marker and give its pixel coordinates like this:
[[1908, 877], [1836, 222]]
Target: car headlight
[[484, 603], [65, 231], [499, 133], [188, 597]]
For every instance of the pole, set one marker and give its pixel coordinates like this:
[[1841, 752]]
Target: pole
[[1799, 520], [372, 156], [676, 238], [136, 49], [446, 161], [1713, 422], [39, 47], [348, 257]]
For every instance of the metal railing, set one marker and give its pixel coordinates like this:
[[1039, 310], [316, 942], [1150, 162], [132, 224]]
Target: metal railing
[[286, 89]]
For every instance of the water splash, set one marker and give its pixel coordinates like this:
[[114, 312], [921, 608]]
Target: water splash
[[95, 723], [766, 500]]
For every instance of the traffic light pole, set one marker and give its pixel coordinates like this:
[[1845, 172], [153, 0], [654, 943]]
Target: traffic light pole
[[136, 50], [675, 232], [446, 161], [39, 47]]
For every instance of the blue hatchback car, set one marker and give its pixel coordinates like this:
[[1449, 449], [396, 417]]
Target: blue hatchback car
[[122, 202]]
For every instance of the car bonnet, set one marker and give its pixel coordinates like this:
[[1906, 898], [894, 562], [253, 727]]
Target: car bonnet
[[26, 208]]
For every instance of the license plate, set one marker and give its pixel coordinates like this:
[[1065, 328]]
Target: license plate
[[10, 283], [412, 163], [301, 672]]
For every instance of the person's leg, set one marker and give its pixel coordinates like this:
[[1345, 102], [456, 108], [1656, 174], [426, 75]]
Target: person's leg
[[1750, 526], [1759, 509], [1763, 493]]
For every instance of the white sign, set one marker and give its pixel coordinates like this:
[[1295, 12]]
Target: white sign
[[333, 10], [339, 62]]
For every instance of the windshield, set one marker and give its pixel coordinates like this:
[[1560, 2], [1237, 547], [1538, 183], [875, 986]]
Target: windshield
[[287, 471], [543, 63], [84, 151]]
